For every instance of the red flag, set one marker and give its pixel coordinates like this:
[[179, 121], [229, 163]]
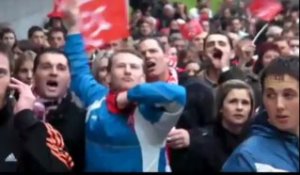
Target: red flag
[[56, 12], [191, 29], [102, 21], [265, 9]]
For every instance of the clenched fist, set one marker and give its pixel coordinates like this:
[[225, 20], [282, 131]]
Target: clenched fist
[[71, 18]]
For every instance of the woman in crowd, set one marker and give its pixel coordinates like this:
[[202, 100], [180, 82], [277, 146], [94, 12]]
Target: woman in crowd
[[9, 38], [234, 107], [192, 68], [24, 67], [266, 53], [99, 67]]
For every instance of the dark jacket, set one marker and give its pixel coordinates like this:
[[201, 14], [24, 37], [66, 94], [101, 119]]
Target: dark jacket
[[69, 120], [23, 140], [212, 148], [197, 113], [9, 150], [36, 155]]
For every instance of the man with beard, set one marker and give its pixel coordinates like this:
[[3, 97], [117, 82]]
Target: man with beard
[[23, 138], [56, 104], [130, 120]]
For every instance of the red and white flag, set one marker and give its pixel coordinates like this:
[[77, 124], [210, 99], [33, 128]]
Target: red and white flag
[[265, 10], [102, 21]]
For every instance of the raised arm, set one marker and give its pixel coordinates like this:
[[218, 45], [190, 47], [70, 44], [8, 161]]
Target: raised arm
[[83, 83]]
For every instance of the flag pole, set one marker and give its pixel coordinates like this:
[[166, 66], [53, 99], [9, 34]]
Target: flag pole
[[259, 33]]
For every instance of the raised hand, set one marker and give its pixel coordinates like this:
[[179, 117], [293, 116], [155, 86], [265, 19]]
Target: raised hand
[[26, 98], [71, 17]]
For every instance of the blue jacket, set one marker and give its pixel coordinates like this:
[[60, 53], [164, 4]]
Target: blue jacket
[[111, 144], [266, 150]]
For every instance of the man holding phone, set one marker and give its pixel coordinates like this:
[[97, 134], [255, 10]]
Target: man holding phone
[[21, 134]]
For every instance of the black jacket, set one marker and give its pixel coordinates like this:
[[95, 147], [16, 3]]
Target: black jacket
[[36, 155], [212, 148], [69, 120], [198, 113], [9, 150], [23, 139]]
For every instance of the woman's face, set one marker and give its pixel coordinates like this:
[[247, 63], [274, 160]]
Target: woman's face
[[9, 39], [102, 70], [236, 107], [269, 56], [192, 69], [25, 73]]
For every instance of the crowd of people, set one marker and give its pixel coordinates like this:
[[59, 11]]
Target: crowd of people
[[155, 101]]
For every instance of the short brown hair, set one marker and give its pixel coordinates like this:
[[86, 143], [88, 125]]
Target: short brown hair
[[218, 33], [130, 51]]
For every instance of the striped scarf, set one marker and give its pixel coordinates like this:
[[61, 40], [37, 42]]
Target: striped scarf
[[43, 107]]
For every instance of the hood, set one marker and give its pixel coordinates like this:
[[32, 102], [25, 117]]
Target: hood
[[289, 141]]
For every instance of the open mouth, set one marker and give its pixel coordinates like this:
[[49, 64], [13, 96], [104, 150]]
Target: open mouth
[[52, 84], [217, 54], [150, 65]]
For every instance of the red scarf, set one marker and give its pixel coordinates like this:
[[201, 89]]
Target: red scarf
[[113, 107], [173, 77]]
